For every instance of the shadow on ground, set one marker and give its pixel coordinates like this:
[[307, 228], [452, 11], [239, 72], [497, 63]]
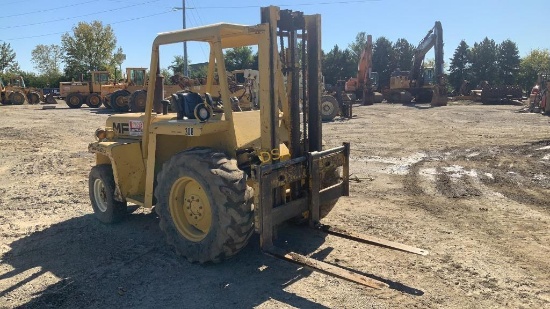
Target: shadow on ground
[[129, 265]]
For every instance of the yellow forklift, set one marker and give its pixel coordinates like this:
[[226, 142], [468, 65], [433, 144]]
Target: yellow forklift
[[214, 176]]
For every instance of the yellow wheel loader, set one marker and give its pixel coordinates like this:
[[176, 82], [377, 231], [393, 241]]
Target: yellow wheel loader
[[16, 93], [216, 176], [77, 94]]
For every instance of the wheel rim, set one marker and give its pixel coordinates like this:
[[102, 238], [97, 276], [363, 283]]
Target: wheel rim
[[95, 100], [100, 195], [33, 98], [74, 100], [120, 101], [18, 98], [190, 209], [141, 99], [327, 108]]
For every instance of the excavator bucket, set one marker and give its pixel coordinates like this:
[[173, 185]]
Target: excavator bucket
[[439, 97], [49, 99]]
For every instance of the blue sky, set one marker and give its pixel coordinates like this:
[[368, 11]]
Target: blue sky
[[27, 23]]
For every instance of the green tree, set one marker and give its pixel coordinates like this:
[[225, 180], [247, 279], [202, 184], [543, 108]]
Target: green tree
[[382, 60], [537, 61], [90, 47], [7, 58], [428, 63], [255, 61], [177, 65], [484, 62], [459, 69], [47, 59], [508, 62], [117, 60], [356, 48], [403, 52], [238, 58], [338, 64], [198, 71], [38, 80], [165, 72]]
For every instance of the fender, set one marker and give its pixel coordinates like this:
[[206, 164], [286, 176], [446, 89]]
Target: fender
[[128, 168]]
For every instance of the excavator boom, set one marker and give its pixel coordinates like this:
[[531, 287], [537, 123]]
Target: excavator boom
[[434, 39]]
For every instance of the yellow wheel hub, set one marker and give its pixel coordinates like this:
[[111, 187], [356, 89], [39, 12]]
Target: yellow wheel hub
[[121, 101], [74, 100], [94, 100], [190, 209]]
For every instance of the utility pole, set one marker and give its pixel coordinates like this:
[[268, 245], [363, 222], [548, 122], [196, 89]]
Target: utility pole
[[185, 69]]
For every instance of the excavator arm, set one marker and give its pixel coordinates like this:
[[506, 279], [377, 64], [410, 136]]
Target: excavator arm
[[364, 67], [434, 39]]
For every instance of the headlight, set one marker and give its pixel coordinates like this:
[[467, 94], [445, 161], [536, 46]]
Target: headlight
[[100, 134], [203, 112]]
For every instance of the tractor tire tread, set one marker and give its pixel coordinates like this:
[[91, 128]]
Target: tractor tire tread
[[231, 204]]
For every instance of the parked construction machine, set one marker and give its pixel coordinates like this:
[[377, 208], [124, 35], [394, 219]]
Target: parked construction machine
[[423, 84], [216, 176], [364, 86], [85, 92], [16, 93], [130, 94], [538, 98], [361, 88]]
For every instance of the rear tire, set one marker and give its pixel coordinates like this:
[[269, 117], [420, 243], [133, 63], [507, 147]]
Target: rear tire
[[17, 98], [119, 101], [138, 99], [74, 100], [329, 108], [93, 100], [33, 98], [101, 185], [204, 205], [106, 101]]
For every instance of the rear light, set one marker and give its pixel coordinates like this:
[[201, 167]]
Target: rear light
[[100, 134]]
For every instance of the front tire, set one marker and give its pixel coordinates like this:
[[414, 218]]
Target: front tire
[[33, 98], [138, 99], [17, 98], [101, 185], [329, 108], [119, 101], [74, 100], [204, 205], [93, 100], [106, 101]]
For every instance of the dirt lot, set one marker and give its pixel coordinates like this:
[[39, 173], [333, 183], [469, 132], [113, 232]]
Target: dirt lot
[[467, 182]]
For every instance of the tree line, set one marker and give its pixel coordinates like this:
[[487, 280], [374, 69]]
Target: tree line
[[498, 64], [93, 47]]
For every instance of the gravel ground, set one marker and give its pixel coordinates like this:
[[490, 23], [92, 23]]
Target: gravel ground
[[467, 182]]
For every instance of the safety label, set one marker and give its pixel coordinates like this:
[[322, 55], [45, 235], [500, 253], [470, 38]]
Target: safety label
[[136, 127]]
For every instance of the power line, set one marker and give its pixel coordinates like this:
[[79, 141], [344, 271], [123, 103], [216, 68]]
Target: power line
[[201, 23], [13, 2], [73, 17], [281, 5], [117, 22], [47, 10]]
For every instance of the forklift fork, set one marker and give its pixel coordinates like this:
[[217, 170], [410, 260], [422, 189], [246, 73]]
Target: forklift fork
[[310, 169]]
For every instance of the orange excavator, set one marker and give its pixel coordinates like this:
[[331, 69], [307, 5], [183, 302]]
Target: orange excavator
[[364, 85], [361, 88]]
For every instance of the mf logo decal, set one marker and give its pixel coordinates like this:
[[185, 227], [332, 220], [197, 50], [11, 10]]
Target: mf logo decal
[[120, 127]]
